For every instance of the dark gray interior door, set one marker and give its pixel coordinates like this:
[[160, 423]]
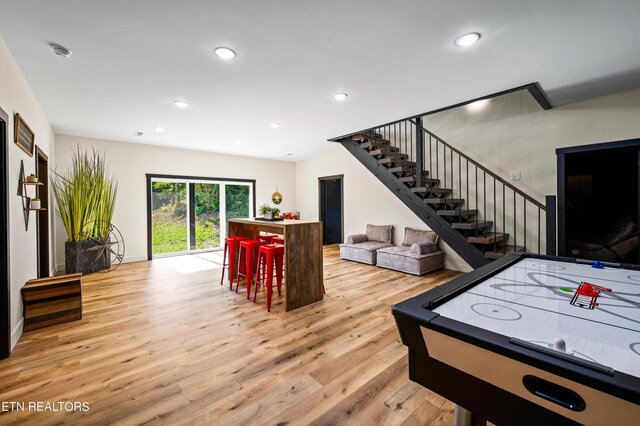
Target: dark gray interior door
[[331, 209]]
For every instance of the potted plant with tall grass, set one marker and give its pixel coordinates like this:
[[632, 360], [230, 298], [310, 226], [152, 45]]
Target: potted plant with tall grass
[[85, 197]]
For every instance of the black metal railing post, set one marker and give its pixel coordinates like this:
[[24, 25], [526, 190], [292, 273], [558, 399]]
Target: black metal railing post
[[419, 152]]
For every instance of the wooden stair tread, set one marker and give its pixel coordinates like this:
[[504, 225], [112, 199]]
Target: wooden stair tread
[[381, 152], [423, 189], [444, 201], [409, 170], [458, 212], [366, 135], [472, 226], [424, 180], [489, 238], [381, 143], [396, 162], [502, 252]]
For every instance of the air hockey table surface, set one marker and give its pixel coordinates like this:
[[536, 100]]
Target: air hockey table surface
[[531, 339]]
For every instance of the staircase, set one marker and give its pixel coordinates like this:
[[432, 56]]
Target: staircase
[[477, 213]]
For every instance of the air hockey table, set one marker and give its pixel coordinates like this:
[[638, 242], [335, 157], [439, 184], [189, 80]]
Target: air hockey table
[[530, 340]]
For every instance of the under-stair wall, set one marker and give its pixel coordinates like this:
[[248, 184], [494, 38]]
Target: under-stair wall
[[479, 213]]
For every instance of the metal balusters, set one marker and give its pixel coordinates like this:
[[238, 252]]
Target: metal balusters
[[451, 168], [475, 202], [504, 210], [539, 230], [495, 217], [524, 222], [484, 197], [515, 231], [444, 162]]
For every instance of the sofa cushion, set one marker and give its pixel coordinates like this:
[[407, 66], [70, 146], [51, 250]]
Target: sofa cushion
[[419, 236], [362, 252], [423, 248], [405, 261], [367, 245], [402, 251], [621, 231], [383, 234], [356, 239]]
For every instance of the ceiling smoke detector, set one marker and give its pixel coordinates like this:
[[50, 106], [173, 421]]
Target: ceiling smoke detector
[[60, 50], [138, 133]]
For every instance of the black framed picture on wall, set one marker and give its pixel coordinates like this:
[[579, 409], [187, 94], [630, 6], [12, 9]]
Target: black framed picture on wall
[[23, 136]]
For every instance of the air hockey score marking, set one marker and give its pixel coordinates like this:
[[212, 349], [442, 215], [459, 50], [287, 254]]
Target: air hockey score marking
[[586, 296]]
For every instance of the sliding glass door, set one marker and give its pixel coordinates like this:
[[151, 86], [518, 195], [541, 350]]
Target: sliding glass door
[[190, 215]]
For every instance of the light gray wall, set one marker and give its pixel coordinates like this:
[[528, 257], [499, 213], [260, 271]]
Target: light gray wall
[[129, 163], [16, 97], [517, 136]]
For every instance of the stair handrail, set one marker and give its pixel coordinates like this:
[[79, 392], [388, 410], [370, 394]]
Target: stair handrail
[[486, 170]]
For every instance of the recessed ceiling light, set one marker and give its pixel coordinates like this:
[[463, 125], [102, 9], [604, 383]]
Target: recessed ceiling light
[[340, 96], [181, 104], [158, 129], [467, 39], [225, 53], [60, 50], [276, 125]]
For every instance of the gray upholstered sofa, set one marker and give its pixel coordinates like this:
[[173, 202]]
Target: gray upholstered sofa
[[363, 247], [417, 255]]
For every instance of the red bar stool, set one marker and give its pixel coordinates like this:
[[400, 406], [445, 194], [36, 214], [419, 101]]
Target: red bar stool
[[248, 255], [266, 238], [269, 256], [231, 246], [278, 240]]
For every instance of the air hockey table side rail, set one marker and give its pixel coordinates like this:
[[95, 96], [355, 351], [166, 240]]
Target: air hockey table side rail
[[485, 400]]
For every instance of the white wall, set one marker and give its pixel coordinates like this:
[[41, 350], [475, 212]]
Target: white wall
[[514, 137], [366, 199], [16, 97], [517, 136], [129, 163]]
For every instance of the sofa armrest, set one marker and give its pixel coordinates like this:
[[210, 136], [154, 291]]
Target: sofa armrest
[[625, 247], [423, 248], [356, 239]]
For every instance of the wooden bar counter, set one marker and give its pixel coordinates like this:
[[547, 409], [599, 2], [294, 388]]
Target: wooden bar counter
[[302, 256]]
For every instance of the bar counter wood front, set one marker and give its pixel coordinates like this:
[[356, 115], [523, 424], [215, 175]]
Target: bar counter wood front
[[302, 256]]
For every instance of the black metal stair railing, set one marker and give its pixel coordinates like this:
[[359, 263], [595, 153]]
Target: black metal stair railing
[[465, 190], [487, 191]]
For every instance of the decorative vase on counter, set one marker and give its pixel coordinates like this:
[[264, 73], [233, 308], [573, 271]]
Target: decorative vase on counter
[[268, 215]]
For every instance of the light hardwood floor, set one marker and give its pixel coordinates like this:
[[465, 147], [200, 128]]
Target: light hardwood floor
[[163, 342]]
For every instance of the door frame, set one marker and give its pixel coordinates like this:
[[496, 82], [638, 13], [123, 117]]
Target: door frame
[[561, 167], [5, 293], [41, 215], [321, 203], [151, 176]]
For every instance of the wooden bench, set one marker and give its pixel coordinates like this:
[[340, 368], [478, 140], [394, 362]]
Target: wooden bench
[[49, 301]]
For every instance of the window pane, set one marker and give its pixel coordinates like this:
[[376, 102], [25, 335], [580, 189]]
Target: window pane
[[207, 215], [237, 199], [169, 217]]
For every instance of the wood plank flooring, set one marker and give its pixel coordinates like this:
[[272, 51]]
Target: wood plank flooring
[[163, 342]]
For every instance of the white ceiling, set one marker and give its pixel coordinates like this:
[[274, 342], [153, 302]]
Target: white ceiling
[[132, 58]]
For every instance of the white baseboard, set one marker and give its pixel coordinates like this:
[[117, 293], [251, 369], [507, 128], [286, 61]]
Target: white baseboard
[[16, 333]]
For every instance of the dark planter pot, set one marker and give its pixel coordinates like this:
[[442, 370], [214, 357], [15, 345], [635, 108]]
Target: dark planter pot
[[85, 257]]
